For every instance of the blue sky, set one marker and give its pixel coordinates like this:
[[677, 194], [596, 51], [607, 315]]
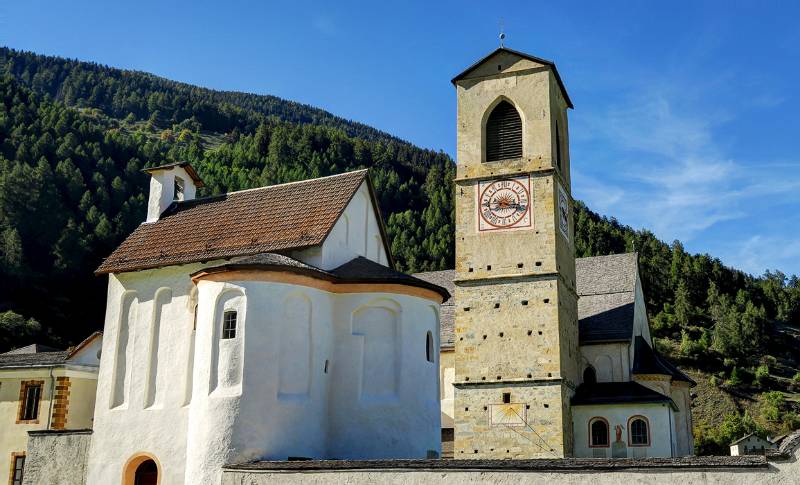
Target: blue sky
[[685, 112]]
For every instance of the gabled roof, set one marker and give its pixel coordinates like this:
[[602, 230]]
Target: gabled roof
[[606, 287], [529, 57], [38, 355], [88, 340], [282, 217], [198, 182], [31, 349], [357, 270], [648, 361], [617, 393], [745, 437], [38, 359]]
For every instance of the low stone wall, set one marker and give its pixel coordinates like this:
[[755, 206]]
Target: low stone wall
[[783, 468], [57, 457]]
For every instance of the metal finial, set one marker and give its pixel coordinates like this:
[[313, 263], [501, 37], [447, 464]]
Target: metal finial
[[502, 33]]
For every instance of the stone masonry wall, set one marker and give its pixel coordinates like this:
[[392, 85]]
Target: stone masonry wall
[[57, 457], [516, 351]]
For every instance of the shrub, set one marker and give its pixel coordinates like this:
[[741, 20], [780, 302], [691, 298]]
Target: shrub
[[796, 379], [791, 422], [761, 375], [735, 379], [714, 381], [729, 362], [773, 403]]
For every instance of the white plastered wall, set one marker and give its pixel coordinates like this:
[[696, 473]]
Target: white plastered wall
[[307, 360], [684, 437], [162, 190], [153, 367], [658, 415], [271, 405], [610, 361], [447, 375], [356, 233]]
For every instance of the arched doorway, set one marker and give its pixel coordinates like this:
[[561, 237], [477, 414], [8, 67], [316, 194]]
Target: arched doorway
[[141, 469], [146, 473]]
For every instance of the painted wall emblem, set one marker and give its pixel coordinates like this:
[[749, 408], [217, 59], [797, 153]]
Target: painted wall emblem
[[512, 414], [504, 204]]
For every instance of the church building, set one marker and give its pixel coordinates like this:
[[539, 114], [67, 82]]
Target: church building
[[552, 357], [270, 324], [261, 324]]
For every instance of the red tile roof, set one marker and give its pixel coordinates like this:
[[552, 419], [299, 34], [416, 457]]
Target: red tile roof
[[275, 218]]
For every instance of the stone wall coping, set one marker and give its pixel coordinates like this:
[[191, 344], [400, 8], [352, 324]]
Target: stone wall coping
[[565, 464], [42, 432]]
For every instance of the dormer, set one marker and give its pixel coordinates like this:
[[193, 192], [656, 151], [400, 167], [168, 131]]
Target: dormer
[[175, 182]]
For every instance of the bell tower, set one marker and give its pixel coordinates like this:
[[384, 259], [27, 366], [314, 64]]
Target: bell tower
[[516, 317]]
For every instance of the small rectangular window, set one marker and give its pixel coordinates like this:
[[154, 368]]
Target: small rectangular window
[[178, 193], [31, 395], [229, 325], [18, 469], [506, 398]]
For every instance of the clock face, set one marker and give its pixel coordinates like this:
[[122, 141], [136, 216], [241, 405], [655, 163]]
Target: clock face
[[504, 204]]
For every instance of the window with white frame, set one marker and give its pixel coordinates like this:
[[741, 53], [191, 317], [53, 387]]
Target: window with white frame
[[229, 324]]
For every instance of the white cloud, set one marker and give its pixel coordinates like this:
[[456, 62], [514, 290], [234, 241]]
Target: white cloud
[[760, 253], [664, 169]]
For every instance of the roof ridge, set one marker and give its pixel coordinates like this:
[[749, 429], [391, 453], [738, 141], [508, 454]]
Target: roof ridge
[[608, 293], [629, 253], [226, 194], [352, 172]]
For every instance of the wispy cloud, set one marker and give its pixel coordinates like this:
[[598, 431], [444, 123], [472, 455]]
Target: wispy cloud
[[670, 173], [759, 253]]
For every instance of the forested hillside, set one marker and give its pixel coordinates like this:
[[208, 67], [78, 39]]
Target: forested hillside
[[74, 137]]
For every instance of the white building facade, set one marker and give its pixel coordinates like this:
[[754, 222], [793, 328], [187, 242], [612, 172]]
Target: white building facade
[[232, 338]]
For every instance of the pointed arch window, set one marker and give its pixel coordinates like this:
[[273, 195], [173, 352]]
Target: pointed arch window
[[503, 133]]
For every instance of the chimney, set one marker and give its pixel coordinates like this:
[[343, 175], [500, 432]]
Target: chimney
[[175, 182]]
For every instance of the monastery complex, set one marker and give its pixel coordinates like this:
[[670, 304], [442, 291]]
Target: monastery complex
[[267, 329]]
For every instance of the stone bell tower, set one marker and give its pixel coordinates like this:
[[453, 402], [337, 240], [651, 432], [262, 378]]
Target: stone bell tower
[[516, 321]]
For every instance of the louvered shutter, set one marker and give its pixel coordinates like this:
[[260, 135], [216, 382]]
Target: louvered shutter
[[503, 133]]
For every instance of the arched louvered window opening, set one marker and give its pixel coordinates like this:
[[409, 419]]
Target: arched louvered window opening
[[503, 133]]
